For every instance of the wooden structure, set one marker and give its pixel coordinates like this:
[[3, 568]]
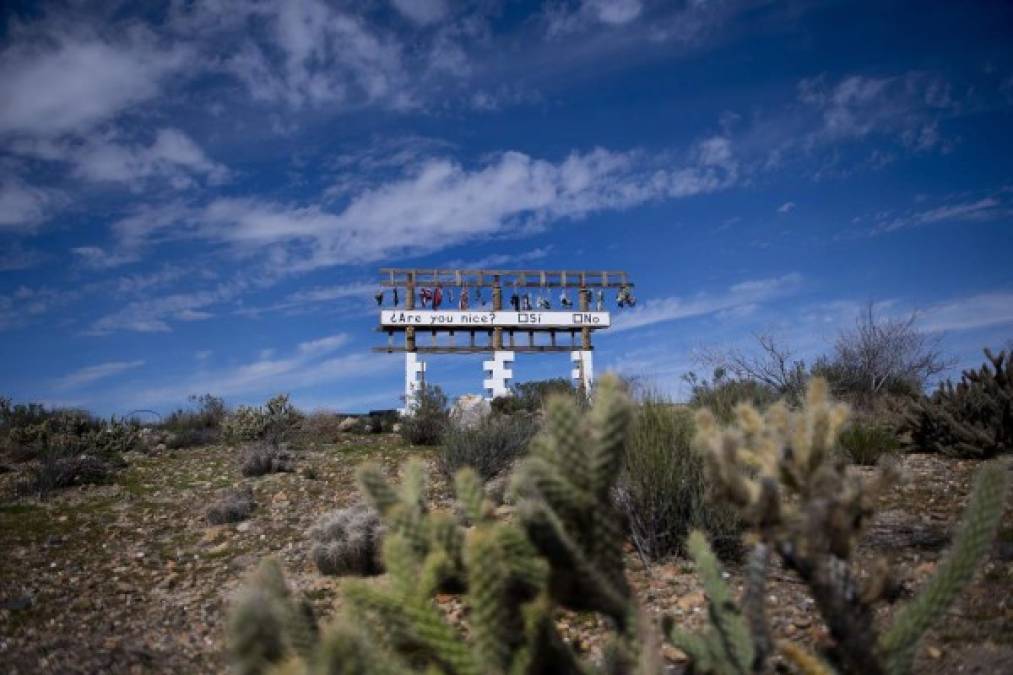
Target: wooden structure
[[487, 326]]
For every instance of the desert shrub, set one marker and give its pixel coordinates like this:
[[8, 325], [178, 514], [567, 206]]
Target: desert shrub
[[866, 442], [275, 422], [348, 541], [261, 458], [722, 393], [199, 425], [973, 418], [664, 489], [383, 421], [232, 508], [530, 397], [489, 447], [429, 418], [53, 471], [320, 426]]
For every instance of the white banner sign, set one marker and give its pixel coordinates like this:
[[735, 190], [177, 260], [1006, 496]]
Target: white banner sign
[[435, 318]]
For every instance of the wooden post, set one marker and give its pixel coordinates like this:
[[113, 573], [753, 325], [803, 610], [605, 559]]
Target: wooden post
[[409, 332], [497, 306], [585, 302]]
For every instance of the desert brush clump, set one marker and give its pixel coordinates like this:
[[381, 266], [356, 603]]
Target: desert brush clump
[[866, 442], [428, 419], [490, 447], [261, 458], [274, 422], [801, 503], [201, 424], [563, 551], [348, 541], [233, 507], [973, 418], [664, 489]]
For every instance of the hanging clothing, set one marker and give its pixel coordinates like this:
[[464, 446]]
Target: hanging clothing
[[395, 297], [450, 295], [564, 299], [543, 303], [478, 294], [427, 296], [515, 302], [526, 302], [379, 298], [599, 304], [464, 299], [625, 297], [437, 297]]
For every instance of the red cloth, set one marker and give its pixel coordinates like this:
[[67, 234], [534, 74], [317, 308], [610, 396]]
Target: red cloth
[[437, 297]]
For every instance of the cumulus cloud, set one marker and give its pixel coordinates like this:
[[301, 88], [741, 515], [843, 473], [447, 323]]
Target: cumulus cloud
[[92, 374], [787, 207], [422, 11]]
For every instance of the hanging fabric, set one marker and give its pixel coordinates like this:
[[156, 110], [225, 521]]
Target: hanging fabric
[[450, 296], [564, 299], [427, 296], [478, 294], [625, 297], [464, 299], [395, 297], [526, 304], [437, 297], [379, 298], [599, 304], [515, 301]]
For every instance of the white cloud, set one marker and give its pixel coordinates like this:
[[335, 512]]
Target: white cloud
[[976, 311], [737, 296], [323, 345], [787, 207], [97, 258], [16, 257], [58, 82], [904, 106], [562, 19], [441, 203], [91, 374], [23, 207], [152, 315], [422, 11], [984, 209]]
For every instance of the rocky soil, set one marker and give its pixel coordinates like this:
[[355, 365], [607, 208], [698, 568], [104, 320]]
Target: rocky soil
[[129, 577]]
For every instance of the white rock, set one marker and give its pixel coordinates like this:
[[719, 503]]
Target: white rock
[[469, 410], [347, 424]]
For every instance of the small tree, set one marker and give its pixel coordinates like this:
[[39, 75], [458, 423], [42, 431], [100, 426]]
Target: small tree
[[772, 365], [883, 355]]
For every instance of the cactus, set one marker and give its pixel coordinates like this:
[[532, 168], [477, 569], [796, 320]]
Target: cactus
[[727, 647], [804, 505], [513, 576], [973, 418]]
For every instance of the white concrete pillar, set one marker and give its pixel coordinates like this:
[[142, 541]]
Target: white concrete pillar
[[414, 378], [498, 374], [582, 373]]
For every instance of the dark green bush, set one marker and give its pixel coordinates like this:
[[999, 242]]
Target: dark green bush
[[428, 420], [490, 447], [866, 442], [721, 394], [531, 396], [664, 489]]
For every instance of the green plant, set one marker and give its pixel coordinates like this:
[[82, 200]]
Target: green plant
[[275, 422], [722, 393], [865, 443], [973, 418], [196, 426], [428, 417], [531, 396], [779, 469], [348, 541], [565, 551], [664, 490], [233, 507], [490, 447]]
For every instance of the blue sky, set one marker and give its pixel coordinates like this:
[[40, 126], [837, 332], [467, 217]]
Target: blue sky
[[197, 198]]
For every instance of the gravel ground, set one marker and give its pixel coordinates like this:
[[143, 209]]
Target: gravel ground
[[129, 578]]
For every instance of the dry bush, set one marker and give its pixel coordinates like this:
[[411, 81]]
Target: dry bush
[[348, 541], [260, 459], [232, 508], [429, 418], [664, 489], [53, 472], [490, 447]]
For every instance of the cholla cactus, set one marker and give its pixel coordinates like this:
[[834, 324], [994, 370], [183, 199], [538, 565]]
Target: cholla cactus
[[804, 505], [348, 541], [973, 418], [513, 579]]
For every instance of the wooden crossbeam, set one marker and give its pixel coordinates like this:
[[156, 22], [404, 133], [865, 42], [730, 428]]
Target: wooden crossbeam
[[478, 349], [402, 277]]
